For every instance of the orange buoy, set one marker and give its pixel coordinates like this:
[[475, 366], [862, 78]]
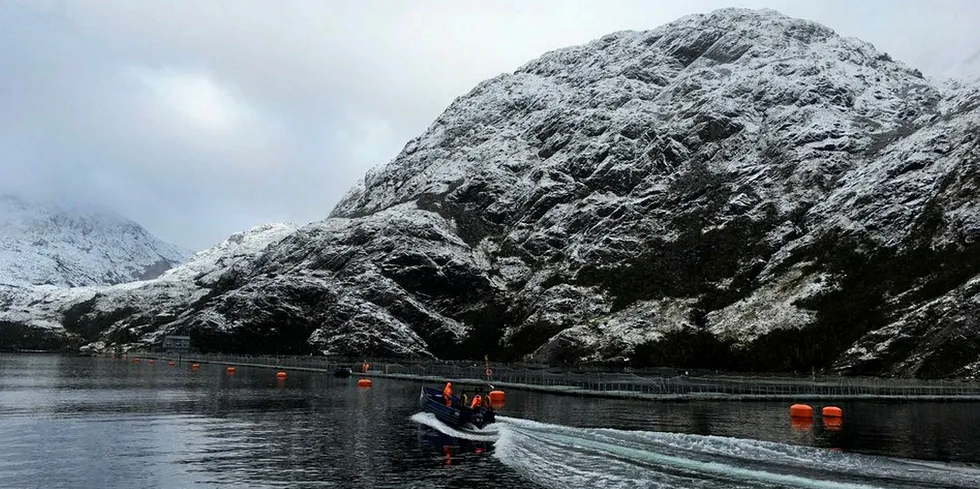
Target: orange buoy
[[832, 412], [496, 399], [171, 364], [800, 411], [195, 366], [280, 375], [364, 383], [230, 370]]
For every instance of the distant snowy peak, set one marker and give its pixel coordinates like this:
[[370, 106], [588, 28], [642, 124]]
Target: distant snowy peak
[[42, 243]]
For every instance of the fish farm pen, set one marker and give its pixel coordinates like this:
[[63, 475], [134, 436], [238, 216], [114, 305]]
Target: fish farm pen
[[627, 383]]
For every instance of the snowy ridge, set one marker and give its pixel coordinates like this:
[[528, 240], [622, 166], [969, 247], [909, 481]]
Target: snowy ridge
[[713, 193], [44, 244], [206, 265]]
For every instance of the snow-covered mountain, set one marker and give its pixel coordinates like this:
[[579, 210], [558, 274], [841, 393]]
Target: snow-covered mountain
[[45, 244], [738, 190]]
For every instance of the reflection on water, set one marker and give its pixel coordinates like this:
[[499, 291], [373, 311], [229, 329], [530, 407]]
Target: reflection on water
[[450, 450], [80, 422]]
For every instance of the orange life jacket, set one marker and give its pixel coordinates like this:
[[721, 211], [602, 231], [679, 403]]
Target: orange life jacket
[[477, 400], [447, 393]]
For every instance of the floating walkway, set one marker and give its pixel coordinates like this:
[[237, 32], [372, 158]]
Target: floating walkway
[[713, 391]]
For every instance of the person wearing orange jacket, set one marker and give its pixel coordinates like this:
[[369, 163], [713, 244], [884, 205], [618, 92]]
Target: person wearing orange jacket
[[477, 402], [447, 394]]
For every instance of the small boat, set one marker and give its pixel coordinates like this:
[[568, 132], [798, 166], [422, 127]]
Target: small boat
[[342, 372], [460, 417]]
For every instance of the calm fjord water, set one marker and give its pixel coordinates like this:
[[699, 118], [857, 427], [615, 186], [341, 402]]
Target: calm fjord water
[[84, 422]]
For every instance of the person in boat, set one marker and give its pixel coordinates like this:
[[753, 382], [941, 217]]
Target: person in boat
[[477, 402], [447, 394], [463, 398]]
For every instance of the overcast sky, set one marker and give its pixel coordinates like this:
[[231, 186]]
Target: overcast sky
[[201, 118]]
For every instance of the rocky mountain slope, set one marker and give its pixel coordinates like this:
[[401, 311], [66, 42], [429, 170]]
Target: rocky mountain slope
[[44, 244], [736, 190]]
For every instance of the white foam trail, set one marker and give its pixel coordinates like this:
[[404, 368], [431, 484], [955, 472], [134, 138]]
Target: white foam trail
[[489, 433], [560, 457]]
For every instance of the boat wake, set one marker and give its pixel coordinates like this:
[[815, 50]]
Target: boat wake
[[488, 433], [558, 456]]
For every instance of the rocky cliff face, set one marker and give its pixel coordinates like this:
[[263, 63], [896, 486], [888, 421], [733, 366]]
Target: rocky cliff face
[[45, 244], [736, 190]]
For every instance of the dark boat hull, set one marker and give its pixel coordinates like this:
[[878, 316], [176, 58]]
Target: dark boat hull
[[432, 401]]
